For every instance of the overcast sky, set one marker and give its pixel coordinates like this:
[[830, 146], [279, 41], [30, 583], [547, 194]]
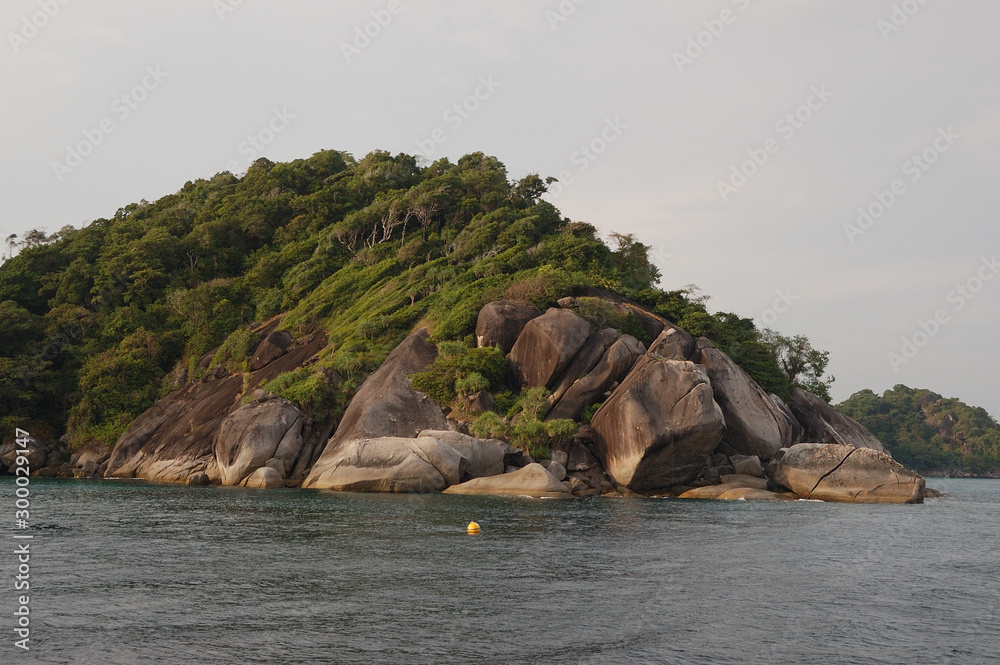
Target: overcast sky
[[739, 138]]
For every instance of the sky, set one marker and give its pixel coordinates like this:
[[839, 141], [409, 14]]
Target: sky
[[827, 168]]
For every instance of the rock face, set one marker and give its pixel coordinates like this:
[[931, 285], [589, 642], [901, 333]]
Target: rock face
[[390, 464], [254, 434], [584, 361], [386, 404], [834, 472], [546, 346], [754, 424], [270, 349], [532, 480], [501, 322], [659, 426], [174, 439], [821, 424], [612, 368], [485, 456]]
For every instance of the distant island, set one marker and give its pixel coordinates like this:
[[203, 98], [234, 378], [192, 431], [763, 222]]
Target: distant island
[[257, 308]]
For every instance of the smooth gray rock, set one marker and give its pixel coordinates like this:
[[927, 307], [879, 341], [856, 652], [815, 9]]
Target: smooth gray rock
[[754, 424], [270, 349], [501, 322], [264, 478], [390, 464], [485, 456], [546, 346], [255, 433], [835, 472], [659, 426], [612, 368], [532, 480]]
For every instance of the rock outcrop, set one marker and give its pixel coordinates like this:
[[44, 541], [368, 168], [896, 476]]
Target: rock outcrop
[[389, 464], [659, 426], [584, 361], [821, 424], [485, 456], [754, 424], [174, 439], [612, 368], [532, 480], [501, 322], [835, 472], [254, 434], [386, 405], [270, 349], [546, 346]]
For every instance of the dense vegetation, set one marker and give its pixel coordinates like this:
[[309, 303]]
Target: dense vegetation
[[927, 432], [99, 322]]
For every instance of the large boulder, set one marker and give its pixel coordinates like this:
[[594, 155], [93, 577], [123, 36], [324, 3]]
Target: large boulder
[[255, 433], [821, 424], [754, 424], [264, 478], [386, 405], [658, 428], [531, 480], [546, 346], [485, 456], [501, 322], [34, 451], [834, 472], [389, 464], [584, 361], [613, 367], [270, 349]]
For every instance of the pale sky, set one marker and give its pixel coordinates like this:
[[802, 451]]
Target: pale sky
[[839, 102]]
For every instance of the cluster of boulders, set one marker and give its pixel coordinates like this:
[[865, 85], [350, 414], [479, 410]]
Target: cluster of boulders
[[678, 418], [48, 460]]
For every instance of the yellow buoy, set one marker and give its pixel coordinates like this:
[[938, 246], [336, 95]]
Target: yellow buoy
[[472, 528]]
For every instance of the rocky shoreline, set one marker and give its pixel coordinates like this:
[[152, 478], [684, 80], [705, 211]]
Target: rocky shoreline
[[677, 419]]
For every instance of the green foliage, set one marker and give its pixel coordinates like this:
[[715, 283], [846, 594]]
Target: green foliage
[[236, 350], [471, 384], [803, 365], [457, 367], [524, 427], [927, 432], [364, 249], [588, 413]]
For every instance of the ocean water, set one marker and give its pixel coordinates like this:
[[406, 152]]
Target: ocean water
[[126, 572]]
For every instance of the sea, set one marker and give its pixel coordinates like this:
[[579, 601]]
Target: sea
[[129, 572]]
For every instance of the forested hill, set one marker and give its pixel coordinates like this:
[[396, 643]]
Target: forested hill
[[101, 321], [930, 433]]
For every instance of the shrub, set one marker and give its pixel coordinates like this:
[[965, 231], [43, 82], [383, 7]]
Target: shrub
[[456, 362]]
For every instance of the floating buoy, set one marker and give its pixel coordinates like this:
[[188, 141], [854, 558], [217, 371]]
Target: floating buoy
[[472, 528]]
